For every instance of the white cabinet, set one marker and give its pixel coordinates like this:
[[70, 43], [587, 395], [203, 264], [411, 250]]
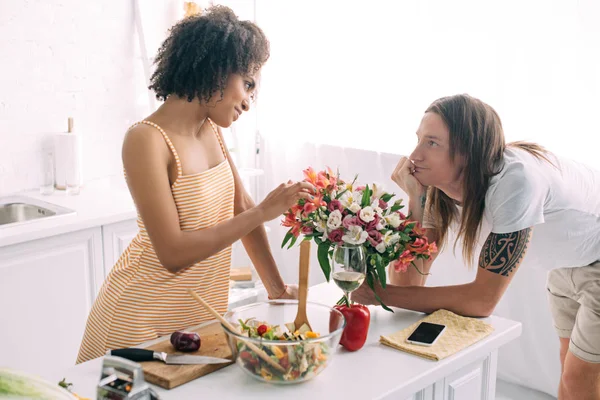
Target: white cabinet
[[475, 381], [47, 287], [116, 238]]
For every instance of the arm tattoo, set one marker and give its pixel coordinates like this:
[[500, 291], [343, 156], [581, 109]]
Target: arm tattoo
[[503, 252]]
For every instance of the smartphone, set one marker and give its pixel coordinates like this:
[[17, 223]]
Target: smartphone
[[426, 334]]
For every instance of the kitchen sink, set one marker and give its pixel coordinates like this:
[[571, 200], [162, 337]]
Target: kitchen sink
[[21, 209]]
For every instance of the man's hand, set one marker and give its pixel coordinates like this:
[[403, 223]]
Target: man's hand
[[364, 294]]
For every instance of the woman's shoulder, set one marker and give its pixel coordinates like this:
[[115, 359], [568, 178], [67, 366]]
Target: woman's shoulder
[[142, 138]]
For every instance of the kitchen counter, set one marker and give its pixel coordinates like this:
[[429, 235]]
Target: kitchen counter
[[374, 372], [100, 202]]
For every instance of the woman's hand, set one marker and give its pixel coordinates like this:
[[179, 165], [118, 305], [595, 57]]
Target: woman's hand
[[404, 178], [283, 197], [291, 292]]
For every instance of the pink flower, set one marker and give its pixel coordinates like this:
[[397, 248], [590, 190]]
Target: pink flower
[[402, 216], [336, 236], [349, 221], [401, 265], [374, 238], [383, 205], [360, 188], [373, 224], [307, 230], [418, 229], [432, 248], [334, 205], [309, 208]]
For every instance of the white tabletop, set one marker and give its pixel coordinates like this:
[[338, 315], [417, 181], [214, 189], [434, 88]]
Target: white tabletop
[[374, 372]]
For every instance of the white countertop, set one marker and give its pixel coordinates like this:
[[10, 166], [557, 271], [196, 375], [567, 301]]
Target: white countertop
[[379, 371], [99, 202]]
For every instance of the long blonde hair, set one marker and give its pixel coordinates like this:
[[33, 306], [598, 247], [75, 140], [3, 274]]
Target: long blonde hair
[[476, 135]]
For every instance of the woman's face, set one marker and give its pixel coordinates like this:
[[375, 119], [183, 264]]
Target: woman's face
[[237, 96], [431, 157]]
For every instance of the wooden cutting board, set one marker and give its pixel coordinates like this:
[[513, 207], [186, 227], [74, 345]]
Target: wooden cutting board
[[213, 343]]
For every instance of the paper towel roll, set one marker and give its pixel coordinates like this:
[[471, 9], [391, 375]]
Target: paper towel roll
[[66, 162], [62, 145]]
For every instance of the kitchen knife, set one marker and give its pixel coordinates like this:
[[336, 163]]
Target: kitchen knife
[[139, 355]]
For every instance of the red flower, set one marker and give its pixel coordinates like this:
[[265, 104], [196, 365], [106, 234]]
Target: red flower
[[307, 230], [290, 220], [296, 229], [383, 205], [419, 246], [336, 236], [334, 205]]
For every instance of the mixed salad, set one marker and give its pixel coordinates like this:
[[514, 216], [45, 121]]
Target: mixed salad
[[299, 360]]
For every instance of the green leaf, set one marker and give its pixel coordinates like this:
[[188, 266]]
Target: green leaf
[[396, 207], [387, 197], [287, 237], [323, 257], [403, 236], [386, 308], [365, 201], [294, 238], [409, 227], [381, 271], [340, 194]]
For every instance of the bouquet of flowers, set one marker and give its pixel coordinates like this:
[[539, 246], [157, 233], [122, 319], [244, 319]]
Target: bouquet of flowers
[[347, 213]]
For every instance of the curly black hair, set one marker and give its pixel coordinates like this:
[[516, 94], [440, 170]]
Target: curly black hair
[[202, 51]]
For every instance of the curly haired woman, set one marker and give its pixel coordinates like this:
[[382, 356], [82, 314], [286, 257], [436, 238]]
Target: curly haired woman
[[539, 205], [191, 203]]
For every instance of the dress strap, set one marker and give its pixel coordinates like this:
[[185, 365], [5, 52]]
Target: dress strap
[[214, 127], [169, 143]]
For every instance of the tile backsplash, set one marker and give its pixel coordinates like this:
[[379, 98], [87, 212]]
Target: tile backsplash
[[66, 58]]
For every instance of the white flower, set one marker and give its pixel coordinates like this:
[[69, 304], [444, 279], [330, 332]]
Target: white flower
[[367, 214], [390, 238], [393, 219], [321, 226], [355, 235], [380, 225], [380, 247], [355, 207], [378, 211], [335, 220], [350, 198], [378, 190]]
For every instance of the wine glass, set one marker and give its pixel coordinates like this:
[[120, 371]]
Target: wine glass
[[349, 267]]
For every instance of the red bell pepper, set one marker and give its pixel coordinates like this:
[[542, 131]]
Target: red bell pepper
[[358, 318]]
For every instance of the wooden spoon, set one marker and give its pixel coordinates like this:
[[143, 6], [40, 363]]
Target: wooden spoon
[[251, 345], [301, 317]]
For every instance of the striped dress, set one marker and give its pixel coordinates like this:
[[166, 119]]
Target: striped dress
[[140, 299]]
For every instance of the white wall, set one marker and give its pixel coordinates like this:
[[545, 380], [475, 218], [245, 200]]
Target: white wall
[[64, 58]]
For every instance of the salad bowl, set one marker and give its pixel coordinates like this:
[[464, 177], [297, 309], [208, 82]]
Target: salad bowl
[[299, 353]]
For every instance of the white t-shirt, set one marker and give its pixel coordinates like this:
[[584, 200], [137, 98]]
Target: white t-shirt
[[561, 202]]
